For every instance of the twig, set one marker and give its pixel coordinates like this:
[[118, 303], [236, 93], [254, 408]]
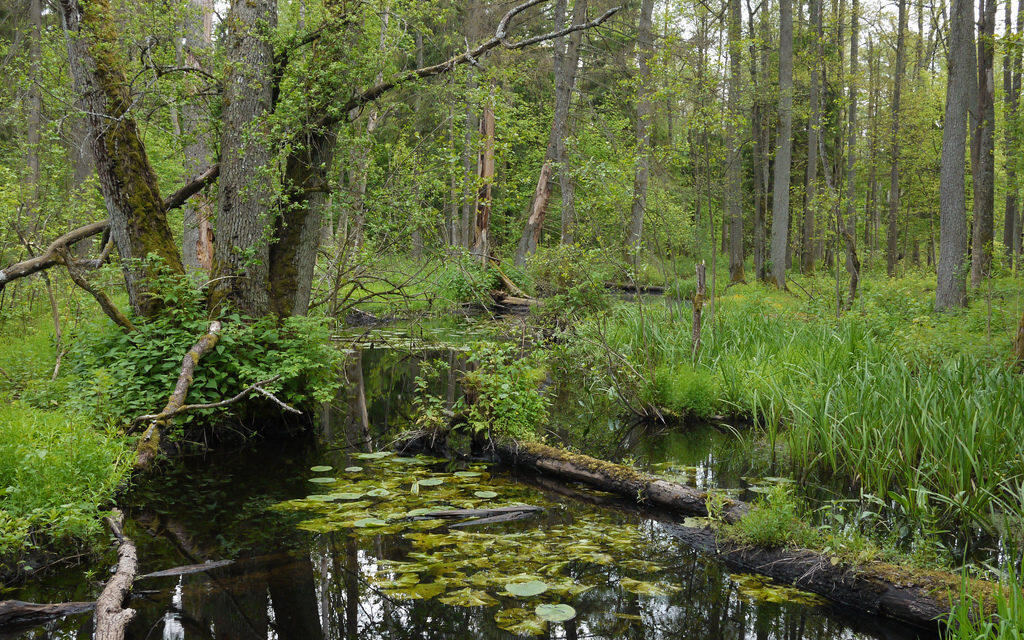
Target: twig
[[258, 387]]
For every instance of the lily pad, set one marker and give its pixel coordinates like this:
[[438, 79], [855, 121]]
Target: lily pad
[[369, 522], [345, 495], [486, 495], [526, 589], [321, 468], [468, 598], [353, 469], [430, 482], [520, 622], [467, 474], [378, 493], [644, 588], [376, 455], [555, 612], [322, 480]]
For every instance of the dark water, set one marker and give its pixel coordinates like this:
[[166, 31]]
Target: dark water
[[306, 572]]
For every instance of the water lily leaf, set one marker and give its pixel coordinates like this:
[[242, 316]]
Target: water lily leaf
[[353, 469], [486, 495], [526, 589], [417, 592], [759, 588], [418, 512], [408, 460], [415, 488], [320, 468], [376, 455], [467, 474], [369, 522], [431, 482], [645, 588], [468, 598], [520, 622], [555, 612], [322, 480], [378, 493], [345, 495]]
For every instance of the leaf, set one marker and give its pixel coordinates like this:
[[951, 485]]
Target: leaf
[[467, 474], [645, 588], [431, 482], [486, 495], [353, 469], [378, 493], [322, 480], [377, 455], [468, 598], [344, 495], [526, 589], [555, 612], [369, 522], [321, 468]]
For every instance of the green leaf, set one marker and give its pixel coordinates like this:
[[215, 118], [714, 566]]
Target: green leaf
[[369, 522], [431, 482], [526, 589], [645, 588], [555, 612], [322, 480], [321, 468], [486, 495], [353, 469]]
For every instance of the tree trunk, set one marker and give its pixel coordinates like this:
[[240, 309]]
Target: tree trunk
[[892, 236], [138, 220], [644, 110], [760, 134], [734, 169], [984, 172], [485, 178], [1010, 100], [242, 251], [951, 286], [565, 181], [850, 234], [784, 146], [545, 182], [813, 132], [35, 112], [470, 154], [197, 231]]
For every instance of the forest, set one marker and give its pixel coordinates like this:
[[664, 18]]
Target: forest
[[445, 319]]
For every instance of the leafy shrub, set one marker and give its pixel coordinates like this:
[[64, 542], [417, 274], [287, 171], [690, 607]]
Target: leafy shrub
[[774, 521], [509, 402], [464, 279], [559, 268], [687, 391]]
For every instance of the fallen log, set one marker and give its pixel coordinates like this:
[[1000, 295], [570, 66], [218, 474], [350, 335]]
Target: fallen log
[[918, 597], [50, 256], [149, 443], [187, 569], [615, 478], [16, 613], [111, 614]]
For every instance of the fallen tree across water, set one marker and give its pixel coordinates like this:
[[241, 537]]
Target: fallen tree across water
[[16, 614], [914, 596], [111, 614]]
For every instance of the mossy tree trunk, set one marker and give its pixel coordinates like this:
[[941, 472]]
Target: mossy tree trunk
[[138, 221]]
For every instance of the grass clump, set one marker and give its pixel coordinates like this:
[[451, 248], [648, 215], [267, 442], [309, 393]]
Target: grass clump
[[57, 471]]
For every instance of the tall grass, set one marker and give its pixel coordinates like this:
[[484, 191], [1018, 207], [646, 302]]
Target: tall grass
[[875, 397]]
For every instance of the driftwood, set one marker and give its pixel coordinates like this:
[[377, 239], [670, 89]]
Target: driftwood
[[111, 614], [918, 597], [636, 288], [16, 613], [187, 569], [149, 443]]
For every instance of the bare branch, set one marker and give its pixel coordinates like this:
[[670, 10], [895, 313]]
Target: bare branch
[[257, 387], [49, 257], [200, 182], [102, 298]]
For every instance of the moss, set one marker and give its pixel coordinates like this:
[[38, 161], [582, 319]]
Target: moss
[[618, 473], [944, 586]]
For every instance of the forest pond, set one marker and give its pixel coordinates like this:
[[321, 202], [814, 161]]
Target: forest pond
[[328, 539]]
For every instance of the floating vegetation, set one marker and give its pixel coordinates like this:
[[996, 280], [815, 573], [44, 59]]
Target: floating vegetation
[[546, 564], [763, 589], [321, 468]]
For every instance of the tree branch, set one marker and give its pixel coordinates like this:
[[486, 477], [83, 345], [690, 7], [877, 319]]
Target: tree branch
[[258, 387], [200, 182], [102, 298]]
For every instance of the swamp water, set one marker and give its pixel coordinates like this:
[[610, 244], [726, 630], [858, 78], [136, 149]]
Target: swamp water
[[330, 542]]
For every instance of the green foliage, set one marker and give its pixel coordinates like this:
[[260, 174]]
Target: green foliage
[[773, 521], [505, 385], [57, 471], [687, 391], [465, 279], [558, 269]]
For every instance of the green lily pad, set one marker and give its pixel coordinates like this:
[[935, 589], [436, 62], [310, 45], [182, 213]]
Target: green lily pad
[[353, 469], [418, 512], [486, 495], [526, 589], [322, 480], [555, 612], [321, 468], [369, 522], [378, 493], [408, 460], [430, 482], [468, 598], [467, 474], [520, 622], [376, 455], [345, 495]]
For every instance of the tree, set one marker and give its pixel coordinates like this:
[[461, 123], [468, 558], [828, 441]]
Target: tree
[[892, 234], [734, 172], [951, 286], [813, 134], [784, 146], [983, 162], [644, 111]]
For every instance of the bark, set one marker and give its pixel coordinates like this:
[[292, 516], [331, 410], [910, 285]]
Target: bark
[[242, 251], [542, 194], [784, 147], [565, 181], [1018, 344], [734, 170], [149, 444], [473, 29], [16, 614], [197, 231], [759, 132], [111, 615], [1015, 241], [951, 286], [51, 256], [850, 232], [892, 237], [485, 178], [138, 220], [807, 240], [35, 109], [644, 111], [984, 168]]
